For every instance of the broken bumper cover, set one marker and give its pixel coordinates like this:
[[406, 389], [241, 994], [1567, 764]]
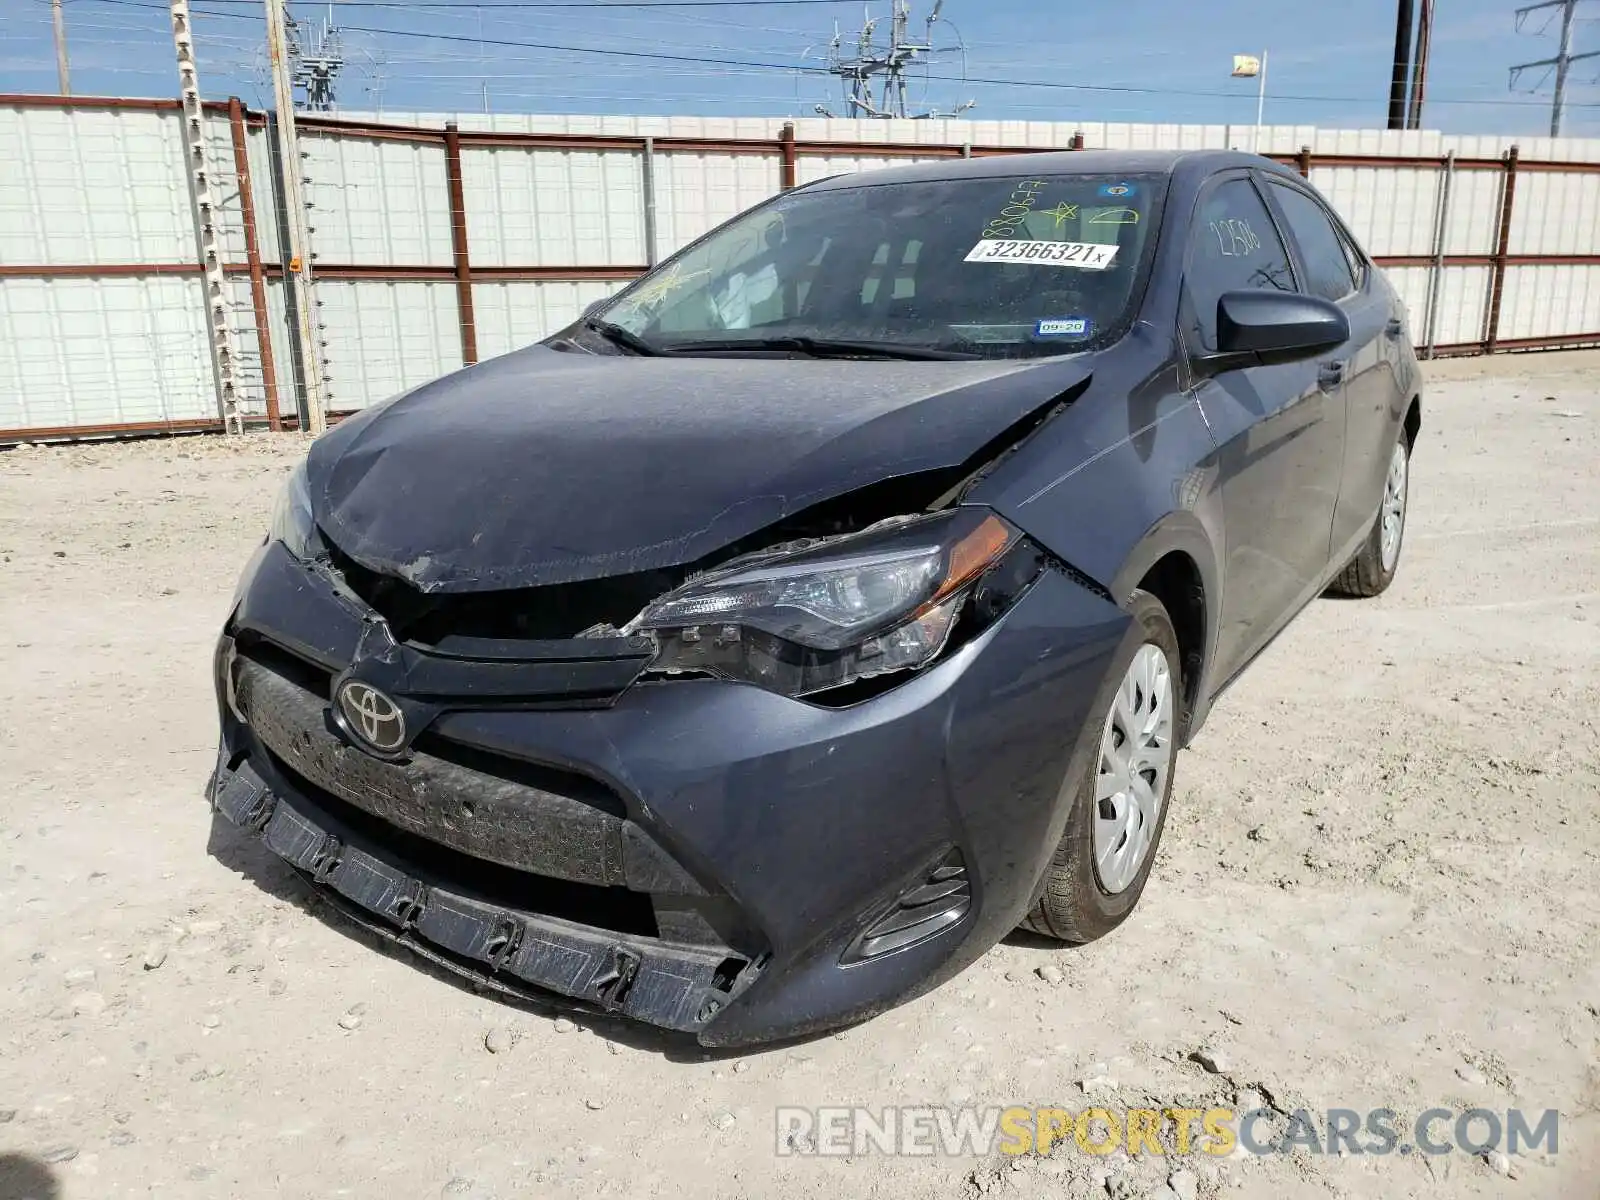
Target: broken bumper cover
[[672, 986], [793, 830]]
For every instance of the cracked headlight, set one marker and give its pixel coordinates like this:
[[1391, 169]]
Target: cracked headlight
[[292, 522], [821, 616]]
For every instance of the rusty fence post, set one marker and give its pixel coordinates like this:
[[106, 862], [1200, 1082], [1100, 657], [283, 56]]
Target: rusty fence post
[[789, 171], [458, 244], [1303, 162], [1497, 278], [252, 255]]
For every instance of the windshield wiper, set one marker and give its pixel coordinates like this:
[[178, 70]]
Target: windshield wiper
[[824, 348], [620, 336]]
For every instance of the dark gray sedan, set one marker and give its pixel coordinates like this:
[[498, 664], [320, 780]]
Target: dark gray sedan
[[754, 653]]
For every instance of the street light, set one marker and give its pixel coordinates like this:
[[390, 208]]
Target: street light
[[1248, 66]]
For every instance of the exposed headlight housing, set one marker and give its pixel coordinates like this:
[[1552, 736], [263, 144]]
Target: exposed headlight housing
[[821, 616], [292, 522]]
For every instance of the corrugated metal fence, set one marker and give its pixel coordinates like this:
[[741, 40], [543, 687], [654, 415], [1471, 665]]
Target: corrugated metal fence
[[103, 322]]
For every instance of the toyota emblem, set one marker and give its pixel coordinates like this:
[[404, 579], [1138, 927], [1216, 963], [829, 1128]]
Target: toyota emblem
[[372, 717]]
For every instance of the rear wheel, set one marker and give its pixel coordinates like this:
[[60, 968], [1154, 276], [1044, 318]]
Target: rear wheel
[[1372, 569], [1105, 854]]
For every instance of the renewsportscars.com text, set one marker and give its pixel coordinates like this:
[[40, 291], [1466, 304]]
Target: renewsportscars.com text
[[966, 1131]]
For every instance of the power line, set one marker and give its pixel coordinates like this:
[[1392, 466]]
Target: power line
[[1118, 89], [458, 5], [817, 70]]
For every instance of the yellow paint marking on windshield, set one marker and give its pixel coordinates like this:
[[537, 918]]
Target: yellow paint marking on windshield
[[1017, 208], [1115, 216], [1062, 212], [658, 289]]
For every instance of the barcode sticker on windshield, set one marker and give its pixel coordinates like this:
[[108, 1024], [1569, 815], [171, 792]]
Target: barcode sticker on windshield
[[1086, 256]]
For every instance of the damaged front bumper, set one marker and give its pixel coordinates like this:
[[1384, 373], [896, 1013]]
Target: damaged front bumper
[[701, 855]]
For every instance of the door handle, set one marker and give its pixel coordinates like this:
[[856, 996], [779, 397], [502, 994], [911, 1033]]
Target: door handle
[[1395, 327], [1330, 375]]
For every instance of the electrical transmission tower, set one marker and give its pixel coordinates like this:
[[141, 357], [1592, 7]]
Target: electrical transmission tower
[[316, 61], [1563, 60], [864, 94]]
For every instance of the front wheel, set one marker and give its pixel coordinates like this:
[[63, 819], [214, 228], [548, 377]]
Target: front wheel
[[1105, 854], [1372, 570]]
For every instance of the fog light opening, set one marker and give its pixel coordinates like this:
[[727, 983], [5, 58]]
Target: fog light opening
[[939, 898]]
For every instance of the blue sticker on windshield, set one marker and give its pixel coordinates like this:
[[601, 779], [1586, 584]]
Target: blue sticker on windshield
[[1117, 191], [1062, 327]]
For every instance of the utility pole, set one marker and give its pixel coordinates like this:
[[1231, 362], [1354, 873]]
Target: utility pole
[[1563, 60], [1419, 68], [216, 283], [63, 76], [297, 272], [1401, 63]]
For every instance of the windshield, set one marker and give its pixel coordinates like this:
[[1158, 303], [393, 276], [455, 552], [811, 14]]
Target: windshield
[[1007, 267]]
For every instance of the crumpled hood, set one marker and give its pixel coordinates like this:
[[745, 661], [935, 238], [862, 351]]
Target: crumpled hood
[[546, 467]]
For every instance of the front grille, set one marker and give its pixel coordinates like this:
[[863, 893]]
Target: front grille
[[302, 672], [533, 775], [541, 838], [317, 681], [502, 820], [554, 611]]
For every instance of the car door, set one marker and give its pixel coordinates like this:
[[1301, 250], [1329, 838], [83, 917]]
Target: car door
[[1370, 392], [1279, 429]]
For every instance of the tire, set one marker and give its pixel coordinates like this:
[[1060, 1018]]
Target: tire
[[1366, 574], [1076, 904]]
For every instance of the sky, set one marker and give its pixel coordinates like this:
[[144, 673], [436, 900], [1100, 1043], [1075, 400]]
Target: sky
[[1136, 60]]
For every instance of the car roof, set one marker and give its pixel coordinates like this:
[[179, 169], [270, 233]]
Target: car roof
[[1059, 162]]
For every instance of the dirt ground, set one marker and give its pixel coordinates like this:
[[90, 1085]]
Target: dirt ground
[[1380, 887]]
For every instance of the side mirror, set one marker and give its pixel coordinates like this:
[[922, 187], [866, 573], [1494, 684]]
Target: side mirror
[[1278, 327]]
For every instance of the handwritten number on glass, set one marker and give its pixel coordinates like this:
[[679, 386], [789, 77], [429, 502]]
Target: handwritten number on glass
[[1235, 238]]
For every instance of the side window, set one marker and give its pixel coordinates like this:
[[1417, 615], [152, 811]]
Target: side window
[[1327, 263], [1235, 247], [1358, 265]]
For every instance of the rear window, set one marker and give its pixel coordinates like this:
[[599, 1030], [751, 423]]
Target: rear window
[[1328, 272]]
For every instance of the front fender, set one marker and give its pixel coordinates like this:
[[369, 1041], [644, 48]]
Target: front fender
[[1183, 532], [1124, 476]]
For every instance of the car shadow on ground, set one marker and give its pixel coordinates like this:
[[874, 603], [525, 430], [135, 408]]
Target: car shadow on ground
[[23, 1177], [1026, 939], [246, 856]]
